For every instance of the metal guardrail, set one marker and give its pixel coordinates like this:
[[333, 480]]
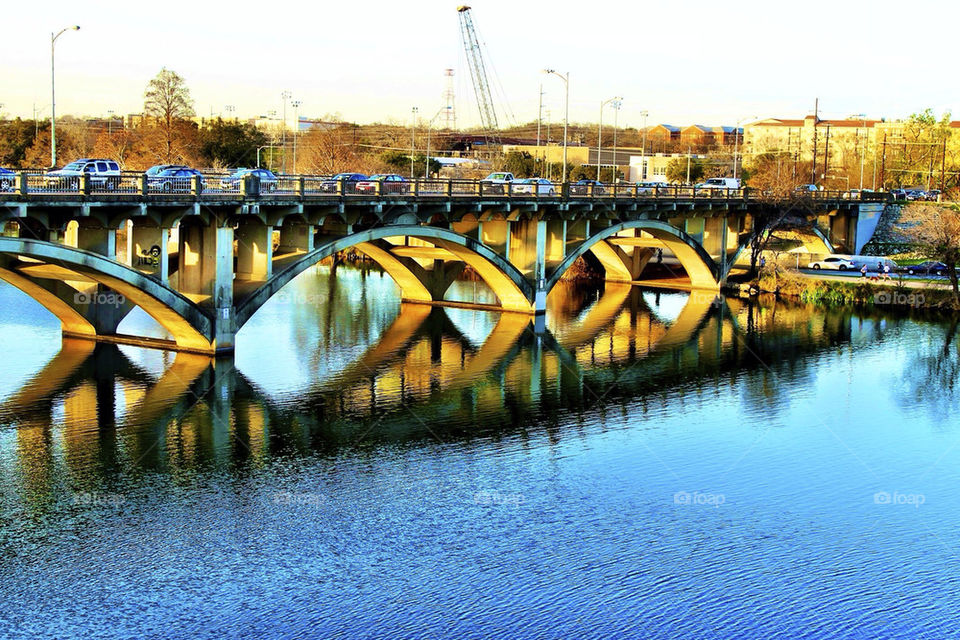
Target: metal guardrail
[[38, 184]]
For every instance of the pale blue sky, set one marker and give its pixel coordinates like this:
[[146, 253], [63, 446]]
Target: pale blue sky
[[684, 61]]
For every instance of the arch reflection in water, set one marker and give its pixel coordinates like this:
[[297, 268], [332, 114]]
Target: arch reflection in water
[[424, 379]]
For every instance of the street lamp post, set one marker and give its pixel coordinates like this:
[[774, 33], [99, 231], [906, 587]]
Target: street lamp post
[[53, 95], [413, 140], [616, 117], [296, 131], [566, 115], [736, 143], [109, 123], [643, 146], [285, 96], [604, 103]]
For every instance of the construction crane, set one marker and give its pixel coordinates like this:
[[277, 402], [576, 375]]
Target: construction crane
[[478, 73]]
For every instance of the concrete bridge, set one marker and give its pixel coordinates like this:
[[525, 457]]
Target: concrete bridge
[[201, 261]]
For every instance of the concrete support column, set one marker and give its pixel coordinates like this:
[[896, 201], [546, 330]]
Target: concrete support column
[[295, 236], [496, 235], [254, 251], [148, 250], [98, 240]]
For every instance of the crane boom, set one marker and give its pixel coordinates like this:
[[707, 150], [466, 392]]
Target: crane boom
[[478, 72]]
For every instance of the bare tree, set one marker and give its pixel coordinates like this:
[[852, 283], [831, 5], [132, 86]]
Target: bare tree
[[167, 100], [935, 230]]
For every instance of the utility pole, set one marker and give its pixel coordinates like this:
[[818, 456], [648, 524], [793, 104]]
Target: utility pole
[[943, 166], [643, 147], [283, 129], [413, 143], [883, 164], [539, 119], [816, 117], [826, 154], [688, 163]]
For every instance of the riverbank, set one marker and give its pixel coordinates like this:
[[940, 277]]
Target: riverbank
[[842, 290]]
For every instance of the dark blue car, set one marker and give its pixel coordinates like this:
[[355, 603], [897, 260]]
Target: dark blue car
[[349, 181], [174, 179]]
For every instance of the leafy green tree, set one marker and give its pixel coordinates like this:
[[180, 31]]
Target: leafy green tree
[[16, 136], [677, 170], [230, 144]]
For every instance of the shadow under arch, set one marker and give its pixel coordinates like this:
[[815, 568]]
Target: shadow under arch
[[190, 326], [512, 289], [698, 264]]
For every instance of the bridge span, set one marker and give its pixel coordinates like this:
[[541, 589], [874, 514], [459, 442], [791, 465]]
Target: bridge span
[[202, 262]]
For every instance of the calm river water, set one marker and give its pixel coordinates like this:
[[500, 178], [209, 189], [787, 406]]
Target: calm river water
[[655, 465]]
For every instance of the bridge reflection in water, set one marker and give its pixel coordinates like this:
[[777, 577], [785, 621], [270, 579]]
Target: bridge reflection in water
[[93, 409]]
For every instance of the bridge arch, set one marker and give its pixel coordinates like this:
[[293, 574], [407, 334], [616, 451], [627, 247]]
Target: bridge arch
[[190, 326], [700, 267], [507, 282]]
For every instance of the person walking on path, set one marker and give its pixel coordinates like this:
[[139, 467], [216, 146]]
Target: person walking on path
[[886, 272], [863, 271]]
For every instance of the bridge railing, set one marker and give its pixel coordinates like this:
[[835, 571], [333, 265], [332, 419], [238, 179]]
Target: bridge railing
[[214, 185]]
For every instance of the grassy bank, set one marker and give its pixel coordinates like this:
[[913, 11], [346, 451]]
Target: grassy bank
[[886, 293]]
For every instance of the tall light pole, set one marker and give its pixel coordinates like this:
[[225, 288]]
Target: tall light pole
[[616, 117], [600, 130], [285, 96], [53, 95], [566, 115], [230, 109], [109, 122], [296, 131], [736, 143], [643, 146], [413, 141]]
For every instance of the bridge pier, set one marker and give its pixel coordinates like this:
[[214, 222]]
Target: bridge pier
[[206, 275], [148, 249], [254, 250]]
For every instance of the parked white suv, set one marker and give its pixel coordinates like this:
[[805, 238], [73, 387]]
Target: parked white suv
[[101, 174]]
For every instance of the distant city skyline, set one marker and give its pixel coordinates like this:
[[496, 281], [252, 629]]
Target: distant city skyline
[[377, 63]]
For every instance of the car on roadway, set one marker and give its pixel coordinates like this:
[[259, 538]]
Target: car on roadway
[[101, 173], [7, 179], [652, 187], [497, 182], [927, 268], [268, 180], [933, 194], [157, 168], [174, 179], [835, 263], [348, 180], [389, 183], [719, 183], [806, 188], [534, 186], [582, 187]]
